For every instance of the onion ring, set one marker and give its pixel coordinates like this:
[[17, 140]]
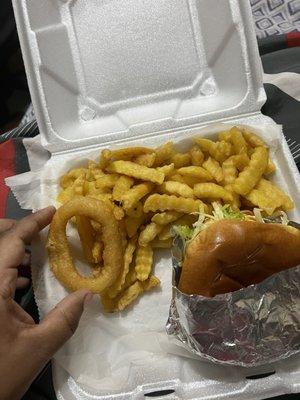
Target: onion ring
[[60, 257]]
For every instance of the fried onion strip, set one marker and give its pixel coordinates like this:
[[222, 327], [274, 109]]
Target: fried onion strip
[[60, 256]]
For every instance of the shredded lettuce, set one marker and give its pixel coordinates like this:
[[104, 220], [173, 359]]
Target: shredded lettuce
[[184, 231], [226, 212], [284, 218], [257, 214]]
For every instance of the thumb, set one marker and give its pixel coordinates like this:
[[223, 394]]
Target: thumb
[[61, 323]]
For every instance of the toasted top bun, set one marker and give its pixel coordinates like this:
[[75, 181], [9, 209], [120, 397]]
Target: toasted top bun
[[229, 255]]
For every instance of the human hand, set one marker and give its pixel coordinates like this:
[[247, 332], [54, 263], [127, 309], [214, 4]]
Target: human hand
[[25, 347]]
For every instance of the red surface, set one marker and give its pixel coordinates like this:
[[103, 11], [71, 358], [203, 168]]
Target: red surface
[[293, 39], [7, 168]]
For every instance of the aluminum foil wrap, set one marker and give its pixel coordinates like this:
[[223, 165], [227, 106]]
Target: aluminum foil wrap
[[253, 326]]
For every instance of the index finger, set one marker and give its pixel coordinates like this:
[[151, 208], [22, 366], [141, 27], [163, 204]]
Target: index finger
[[27, 228], [12, 244]]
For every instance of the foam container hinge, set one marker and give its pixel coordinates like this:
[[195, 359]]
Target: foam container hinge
[[105, 72]]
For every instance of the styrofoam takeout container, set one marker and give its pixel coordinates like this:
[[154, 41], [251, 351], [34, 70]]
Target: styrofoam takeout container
[[111, 72]]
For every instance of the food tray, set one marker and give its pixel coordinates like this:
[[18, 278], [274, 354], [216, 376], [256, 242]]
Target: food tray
[[112, 73]]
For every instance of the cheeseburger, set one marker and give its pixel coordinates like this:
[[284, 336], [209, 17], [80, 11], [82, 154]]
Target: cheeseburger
[[232, 250]]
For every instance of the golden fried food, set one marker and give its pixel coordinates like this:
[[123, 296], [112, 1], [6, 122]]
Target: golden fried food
[[230, 171], [60, 257], [161, 244], [104, 159], [147, 191], [196, 172], [188, 180], [238, 141], [166, 217], [214, 168], [164, 154], [106, 181], [143, 262], [136, 171], [253, 139], [136, 193], [87, 236], [197, 156], [181, 159], [132, 224], [149, 233], [130, 294], [163, 202], [218, 150], [250, 176], [147, 160], [69, 178], [116, 288], [177, 188], [269, 197], [271, 167], [127, 153], [136, 211], [236, 202], [97, 250], [135, 290], [165, 233], [209, 190], [122, 185], [167, 169], [118, 212]]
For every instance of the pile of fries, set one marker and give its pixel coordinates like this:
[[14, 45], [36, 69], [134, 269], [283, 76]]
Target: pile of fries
[[149, 190]]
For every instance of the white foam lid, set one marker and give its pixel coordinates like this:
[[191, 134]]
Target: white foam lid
[[110, 70]]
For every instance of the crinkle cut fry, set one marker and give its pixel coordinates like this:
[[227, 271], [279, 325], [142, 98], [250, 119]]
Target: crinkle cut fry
[[136, 193], [130, 294], [137, 171], [166, 217], [133, 292], [251, 175], [164, 153], [87, 236], [127, 153], [123, 184], [181, 159], [196, 172], [177, 188], [136, 211], [212, 191], [149, 233], [143, 262], [147, 160], [238, 141], [214, 168], [157, 202], [116, 288], [197, 156], [132, 225]]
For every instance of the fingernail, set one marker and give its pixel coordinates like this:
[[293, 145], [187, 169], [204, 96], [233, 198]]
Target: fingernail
[[52, 208], [49, 208], [88, 297]]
